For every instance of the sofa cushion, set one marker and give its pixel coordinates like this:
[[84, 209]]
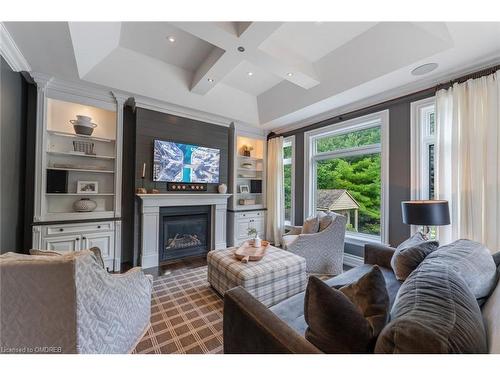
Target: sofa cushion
[[410, 254], [434, 312], [491, 314], [310, 225], [472, 261], [349, 319]]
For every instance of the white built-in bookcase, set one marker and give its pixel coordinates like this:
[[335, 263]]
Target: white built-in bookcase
[[56, 225], [243, 170]]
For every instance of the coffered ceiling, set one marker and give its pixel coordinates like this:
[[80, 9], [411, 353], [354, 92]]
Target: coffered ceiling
[[265, 74]]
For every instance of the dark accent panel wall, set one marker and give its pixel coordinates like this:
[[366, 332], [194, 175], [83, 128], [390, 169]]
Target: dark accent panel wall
[[399, 162], [29, 180], [140, 129], [156, 125], [12, 158], [128, 186]]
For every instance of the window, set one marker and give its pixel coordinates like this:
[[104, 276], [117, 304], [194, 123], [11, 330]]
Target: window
[[345, 172], [423, 141], [289, 178], [423, 153]]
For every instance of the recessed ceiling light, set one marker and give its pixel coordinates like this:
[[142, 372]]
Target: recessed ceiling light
[[250, 74], [171, 39], [210, 80], [289, 74], [424, 69]]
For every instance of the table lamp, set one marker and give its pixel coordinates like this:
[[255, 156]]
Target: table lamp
[[425, 213]]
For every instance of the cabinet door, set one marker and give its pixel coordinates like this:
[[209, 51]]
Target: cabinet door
[[62, 243], [242, 228], [104, 241], [258, 224]]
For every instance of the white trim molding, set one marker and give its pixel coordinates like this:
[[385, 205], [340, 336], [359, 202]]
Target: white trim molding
[[352, 260], [11, 52], [417, 138], [364, 122], [176, 110], [290, 141], [150, 220]]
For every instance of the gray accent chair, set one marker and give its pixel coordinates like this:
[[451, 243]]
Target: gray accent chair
[[70, 304], [324, 250]]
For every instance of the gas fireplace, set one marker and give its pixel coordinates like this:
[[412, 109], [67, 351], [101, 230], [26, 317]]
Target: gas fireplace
[[184, 231]]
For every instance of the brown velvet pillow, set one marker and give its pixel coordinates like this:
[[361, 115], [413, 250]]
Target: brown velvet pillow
[[410, 254], [347, 320]]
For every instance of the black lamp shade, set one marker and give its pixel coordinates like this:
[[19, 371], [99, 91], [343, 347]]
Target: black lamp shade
[[429, 212]]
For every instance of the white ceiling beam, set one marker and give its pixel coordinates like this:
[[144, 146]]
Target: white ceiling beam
[[302, 72], [225, 55], [217, 65], [92, 42], [209, 32]]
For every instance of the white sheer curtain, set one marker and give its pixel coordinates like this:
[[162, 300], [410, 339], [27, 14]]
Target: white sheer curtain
[[468, 159], [275, 193]]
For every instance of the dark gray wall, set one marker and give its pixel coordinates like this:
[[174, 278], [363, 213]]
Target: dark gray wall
[[399, 162], [12, 156], [156, 125], [140, 130]]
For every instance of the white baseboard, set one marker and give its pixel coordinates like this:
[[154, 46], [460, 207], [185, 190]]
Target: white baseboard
[[353, 260]]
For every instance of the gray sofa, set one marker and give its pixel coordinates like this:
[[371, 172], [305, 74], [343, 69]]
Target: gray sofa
[[436, 284]]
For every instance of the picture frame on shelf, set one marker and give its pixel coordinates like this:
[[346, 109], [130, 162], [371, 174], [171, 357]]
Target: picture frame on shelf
[[244, 189], [87, 187]]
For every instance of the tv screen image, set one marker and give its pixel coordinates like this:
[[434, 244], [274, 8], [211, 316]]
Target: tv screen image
[[179, 162]]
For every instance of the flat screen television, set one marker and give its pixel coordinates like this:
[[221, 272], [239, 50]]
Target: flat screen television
[[179, 162]]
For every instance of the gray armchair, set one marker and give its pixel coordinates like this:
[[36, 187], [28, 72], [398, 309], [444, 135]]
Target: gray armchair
[[324, 250], [70, 304]]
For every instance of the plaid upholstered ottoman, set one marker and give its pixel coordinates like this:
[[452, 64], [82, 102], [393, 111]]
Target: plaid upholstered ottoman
[[279, 275]]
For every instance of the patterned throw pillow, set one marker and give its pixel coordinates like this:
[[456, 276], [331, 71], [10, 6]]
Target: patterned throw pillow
[[325, 219], [347, 320], [310, 225], [410, 254]]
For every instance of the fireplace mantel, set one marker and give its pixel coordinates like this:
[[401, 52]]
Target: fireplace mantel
[[150, 214]]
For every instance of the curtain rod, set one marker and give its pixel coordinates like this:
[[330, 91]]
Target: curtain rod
[[465, 78]]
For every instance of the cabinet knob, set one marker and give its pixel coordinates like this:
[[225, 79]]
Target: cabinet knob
[[61, 230], [98, 227], [84, 238]]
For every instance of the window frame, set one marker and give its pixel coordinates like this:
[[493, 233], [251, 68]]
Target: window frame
[[290, 141], [420, 141], [311, 156]]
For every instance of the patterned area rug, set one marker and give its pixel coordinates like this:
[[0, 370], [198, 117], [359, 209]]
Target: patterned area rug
[[186, 315]]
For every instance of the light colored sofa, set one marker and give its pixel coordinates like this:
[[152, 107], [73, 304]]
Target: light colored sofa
[[324, 250], [70, 304]]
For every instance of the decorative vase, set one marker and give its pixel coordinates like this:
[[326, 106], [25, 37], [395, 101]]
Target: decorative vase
[[257, 242], [83, 125], [84, 205], [222, 188]]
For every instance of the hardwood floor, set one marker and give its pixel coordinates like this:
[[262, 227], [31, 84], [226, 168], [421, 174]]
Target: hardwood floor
[[186, 263]]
